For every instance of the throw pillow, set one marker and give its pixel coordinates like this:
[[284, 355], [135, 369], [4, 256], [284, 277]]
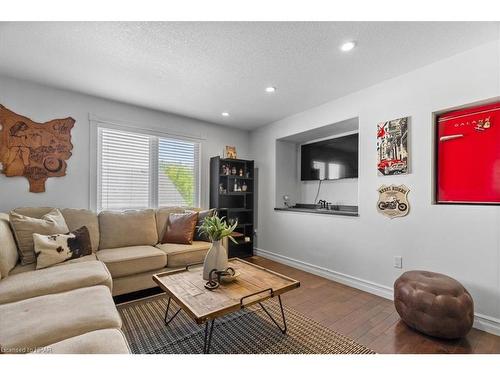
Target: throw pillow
[[201, 217], [57, 248], [24, 227], [180, 228]]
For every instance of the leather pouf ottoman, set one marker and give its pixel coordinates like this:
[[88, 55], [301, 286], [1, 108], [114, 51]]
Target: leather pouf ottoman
[[434, 304]]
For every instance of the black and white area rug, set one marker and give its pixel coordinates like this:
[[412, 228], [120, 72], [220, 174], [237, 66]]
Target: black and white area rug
[[249, 331]]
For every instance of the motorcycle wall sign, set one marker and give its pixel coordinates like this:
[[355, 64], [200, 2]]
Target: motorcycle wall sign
[[393, 201]]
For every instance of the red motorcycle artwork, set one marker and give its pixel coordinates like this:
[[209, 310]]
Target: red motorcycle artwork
[[392, 147]]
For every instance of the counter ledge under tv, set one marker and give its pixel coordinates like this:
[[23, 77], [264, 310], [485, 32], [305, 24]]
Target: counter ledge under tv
[[341, 210]]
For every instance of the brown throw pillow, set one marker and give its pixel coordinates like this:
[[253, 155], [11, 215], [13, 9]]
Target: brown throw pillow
[[201, 217], [180, 228], [57, 248]]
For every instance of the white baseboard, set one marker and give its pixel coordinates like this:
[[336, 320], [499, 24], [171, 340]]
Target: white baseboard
[[487, 323], [482, 322], [365, 285]]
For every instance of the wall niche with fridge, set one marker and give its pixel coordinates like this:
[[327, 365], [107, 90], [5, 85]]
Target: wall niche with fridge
[[232, 194], [467, 154]]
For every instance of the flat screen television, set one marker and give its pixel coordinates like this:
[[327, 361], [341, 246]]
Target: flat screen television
[[331, 159]]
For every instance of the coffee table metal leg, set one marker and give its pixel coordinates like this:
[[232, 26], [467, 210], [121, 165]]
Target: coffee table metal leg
[[209, 327], [284, 329], [165, 319]]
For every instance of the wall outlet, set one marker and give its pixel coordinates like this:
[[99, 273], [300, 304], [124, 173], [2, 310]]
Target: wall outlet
[[398, 262]]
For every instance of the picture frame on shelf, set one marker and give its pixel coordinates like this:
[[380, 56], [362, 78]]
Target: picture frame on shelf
[[230, 152]]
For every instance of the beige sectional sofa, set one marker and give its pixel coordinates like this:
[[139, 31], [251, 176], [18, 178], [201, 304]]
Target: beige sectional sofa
[[68, 308]]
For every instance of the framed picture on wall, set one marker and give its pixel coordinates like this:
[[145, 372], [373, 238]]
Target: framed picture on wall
[[392, 147]]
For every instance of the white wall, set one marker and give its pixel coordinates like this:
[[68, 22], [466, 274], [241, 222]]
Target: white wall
[[343, 192], [42, 103], [287, 177], [461, 241]]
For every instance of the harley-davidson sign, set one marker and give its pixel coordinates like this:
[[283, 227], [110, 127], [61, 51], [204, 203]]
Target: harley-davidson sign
[[393, 201]]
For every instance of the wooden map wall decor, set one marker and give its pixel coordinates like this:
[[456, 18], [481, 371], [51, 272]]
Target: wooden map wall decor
[[33, 150]]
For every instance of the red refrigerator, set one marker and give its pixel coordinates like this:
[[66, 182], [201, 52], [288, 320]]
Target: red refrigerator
[[468, 155]]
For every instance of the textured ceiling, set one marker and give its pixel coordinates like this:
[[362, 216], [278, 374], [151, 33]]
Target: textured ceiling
[[200, 69]]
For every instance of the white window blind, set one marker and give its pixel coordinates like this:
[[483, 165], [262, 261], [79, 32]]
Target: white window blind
[[138, 170]]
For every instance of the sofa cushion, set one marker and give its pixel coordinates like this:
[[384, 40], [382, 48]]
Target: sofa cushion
[[54, 280], [180, 228], [103, 341], [76, 218], [44, 320], [53, 249], [25, 226], [36, 212], [124, 261], [127, 228], [162, 215], [136, 282], [20, 268], [181, 255], [8, 248]]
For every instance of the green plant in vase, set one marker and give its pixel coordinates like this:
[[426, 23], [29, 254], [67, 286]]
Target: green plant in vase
[[216, 229]]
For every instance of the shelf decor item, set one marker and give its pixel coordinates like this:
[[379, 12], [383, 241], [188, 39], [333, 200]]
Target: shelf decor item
[[392, 147], [231, 152], [34, 150], [393, 201], [216, 229]]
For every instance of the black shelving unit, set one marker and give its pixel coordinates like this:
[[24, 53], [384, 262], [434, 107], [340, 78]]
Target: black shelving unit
[[232, 195]]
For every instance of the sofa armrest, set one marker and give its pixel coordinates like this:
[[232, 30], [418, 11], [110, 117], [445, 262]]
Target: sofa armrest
[[8, 248]]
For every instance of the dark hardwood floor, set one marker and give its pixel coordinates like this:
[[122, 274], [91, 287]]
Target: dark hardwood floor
[[368, 319]]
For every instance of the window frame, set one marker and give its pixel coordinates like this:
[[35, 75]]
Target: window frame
[[95, 153]]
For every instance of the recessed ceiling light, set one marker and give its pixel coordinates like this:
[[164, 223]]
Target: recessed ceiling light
[[225, 114], [348, 46], [270, 89]]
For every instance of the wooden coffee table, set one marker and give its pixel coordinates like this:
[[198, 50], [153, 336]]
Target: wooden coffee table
[[254, 285]]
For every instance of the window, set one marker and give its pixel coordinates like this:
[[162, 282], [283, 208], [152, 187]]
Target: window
[[335, 171], [137, 170], [319, 168], [177, 172]]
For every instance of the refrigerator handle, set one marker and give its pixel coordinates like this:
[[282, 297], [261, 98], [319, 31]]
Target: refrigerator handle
[[450, 137]]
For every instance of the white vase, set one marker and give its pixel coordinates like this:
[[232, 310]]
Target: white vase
[[215, 258]]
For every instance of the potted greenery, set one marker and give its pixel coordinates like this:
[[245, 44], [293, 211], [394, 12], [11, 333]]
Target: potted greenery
[[216, 228]]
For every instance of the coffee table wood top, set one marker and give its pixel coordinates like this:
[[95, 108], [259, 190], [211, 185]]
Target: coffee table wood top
[[254, 284]]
